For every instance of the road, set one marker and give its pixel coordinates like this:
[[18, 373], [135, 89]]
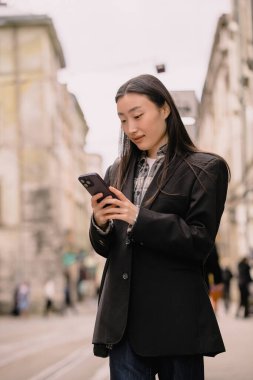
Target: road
[[59, 347], [55, 347]]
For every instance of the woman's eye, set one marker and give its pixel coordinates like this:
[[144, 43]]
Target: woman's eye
[[138, 116], [123, 121]]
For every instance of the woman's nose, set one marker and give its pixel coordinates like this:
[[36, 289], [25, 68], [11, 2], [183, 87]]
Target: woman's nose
[[132, 128]]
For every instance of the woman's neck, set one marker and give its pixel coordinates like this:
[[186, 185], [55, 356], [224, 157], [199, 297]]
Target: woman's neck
[[153, 154]]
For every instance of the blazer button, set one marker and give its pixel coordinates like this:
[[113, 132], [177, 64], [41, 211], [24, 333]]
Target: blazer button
[[125, 276]]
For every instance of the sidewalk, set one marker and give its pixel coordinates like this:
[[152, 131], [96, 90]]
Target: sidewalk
[[61, 346], [237, 362]]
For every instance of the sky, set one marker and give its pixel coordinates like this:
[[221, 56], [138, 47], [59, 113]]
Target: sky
[[105, 43]]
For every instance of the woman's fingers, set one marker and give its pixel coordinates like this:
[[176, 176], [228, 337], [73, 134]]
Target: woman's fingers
[[95, 198], [127, 212], [99, 209], [119, 208], [118, 193], [95, 203]]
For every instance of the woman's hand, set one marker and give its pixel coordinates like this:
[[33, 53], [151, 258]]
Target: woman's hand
[[112, 208]]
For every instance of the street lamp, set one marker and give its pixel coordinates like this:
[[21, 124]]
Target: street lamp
[[160, 68]]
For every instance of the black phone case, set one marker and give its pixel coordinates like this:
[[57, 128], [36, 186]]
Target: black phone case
[[94, 184]]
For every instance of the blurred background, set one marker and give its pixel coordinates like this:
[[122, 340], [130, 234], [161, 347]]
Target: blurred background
[[61, 63]]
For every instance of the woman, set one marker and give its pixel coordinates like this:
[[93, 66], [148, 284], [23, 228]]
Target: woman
[[154, 314]]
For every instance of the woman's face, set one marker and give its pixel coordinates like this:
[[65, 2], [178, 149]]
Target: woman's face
[[143, 122]]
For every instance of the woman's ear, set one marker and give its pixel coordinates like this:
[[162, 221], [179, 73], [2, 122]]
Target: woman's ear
[[166, 110]]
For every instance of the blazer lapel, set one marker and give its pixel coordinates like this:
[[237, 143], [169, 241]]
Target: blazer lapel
[[173, 165]]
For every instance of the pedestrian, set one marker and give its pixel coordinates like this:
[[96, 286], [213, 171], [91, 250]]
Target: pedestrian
[[81, 282], [69, 303], [244, 279], [23, 298], [214, 277], [15, 311], [70, 262], [49, 291], [154, 313], [226, 279]]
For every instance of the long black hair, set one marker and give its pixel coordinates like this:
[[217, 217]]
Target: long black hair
[[180, 143]]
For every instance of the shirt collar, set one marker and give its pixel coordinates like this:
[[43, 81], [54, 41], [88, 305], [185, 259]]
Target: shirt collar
[[160, 153]]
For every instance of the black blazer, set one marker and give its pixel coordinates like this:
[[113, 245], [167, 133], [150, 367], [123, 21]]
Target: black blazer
[[153, 286]]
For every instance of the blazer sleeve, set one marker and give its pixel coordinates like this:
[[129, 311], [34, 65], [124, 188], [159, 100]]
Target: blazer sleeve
[[192, 237], [101, 243]]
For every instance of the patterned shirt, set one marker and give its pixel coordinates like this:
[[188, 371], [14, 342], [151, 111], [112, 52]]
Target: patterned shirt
[[142, 180], [145, 174]]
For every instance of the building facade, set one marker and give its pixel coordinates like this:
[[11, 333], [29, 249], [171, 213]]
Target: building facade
[[42, 135], [187, 105], [225, 124]]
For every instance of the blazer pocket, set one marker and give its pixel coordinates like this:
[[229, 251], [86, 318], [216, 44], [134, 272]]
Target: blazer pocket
[[171, 204]]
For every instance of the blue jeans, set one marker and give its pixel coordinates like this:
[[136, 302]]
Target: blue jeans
[[126, 365]]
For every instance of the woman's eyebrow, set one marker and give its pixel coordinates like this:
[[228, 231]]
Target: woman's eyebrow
[[131, 110]]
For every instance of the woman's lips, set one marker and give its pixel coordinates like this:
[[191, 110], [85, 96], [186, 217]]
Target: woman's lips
[[137, 139]]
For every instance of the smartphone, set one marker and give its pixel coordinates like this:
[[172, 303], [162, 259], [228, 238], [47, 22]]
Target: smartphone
[[94, 184]]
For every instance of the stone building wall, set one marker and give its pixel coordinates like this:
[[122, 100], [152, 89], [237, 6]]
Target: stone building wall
[[225, 124], [42, 135]]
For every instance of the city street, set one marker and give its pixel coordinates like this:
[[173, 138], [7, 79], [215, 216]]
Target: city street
[[156, 97], [59, 347]]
